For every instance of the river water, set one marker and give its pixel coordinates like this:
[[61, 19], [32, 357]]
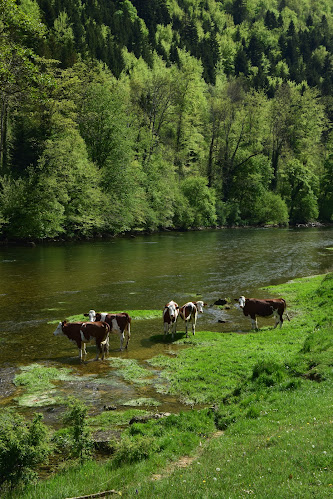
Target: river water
[[48, 283]]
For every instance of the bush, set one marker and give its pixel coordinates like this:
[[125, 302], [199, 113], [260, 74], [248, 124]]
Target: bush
[[22, 447], [81, 441], [271, 208]]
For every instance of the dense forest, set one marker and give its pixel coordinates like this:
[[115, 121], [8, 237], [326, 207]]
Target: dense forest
[[119, 115]]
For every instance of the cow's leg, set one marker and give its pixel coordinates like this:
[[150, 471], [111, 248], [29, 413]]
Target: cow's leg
[[104, 346], [254, 322], [99, 349], [122, 336], [128, 334], [173, 329], [278, 318], [194, 322], [166, 328], [186, 325]]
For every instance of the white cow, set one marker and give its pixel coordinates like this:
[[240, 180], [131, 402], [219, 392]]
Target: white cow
[[189, 313], [170, 316]]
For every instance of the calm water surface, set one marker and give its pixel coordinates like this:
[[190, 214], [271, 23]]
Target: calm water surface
[[49, 283]]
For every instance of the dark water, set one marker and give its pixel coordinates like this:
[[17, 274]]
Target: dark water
[[47, 283]]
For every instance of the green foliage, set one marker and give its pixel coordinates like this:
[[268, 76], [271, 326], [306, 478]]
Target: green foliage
[[167, 436], [201, 202], [23, 446], [81, 444], [111, 113]]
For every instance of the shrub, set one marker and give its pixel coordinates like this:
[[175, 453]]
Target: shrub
[[22, 447], [82, 444]]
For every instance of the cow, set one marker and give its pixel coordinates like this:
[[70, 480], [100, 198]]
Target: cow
[[119, 323], [73, 332], [263, 308], [170, 316], [189, 313], [98, 331]]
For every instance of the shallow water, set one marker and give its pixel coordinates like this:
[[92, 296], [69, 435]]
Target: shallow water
[[51, 282]]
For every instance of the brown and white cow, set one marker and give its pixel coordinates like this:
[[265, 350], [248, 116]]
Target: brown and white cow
[[73, 332], [119, 323], [98, 331], [263, 308], [189, 313], [170, 316]]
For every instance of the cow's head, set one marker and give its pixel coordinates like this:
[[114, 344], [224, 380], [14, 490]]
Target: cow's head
[[241, 301], [92, 315], [200, 306], [59, 330], [173, 308]]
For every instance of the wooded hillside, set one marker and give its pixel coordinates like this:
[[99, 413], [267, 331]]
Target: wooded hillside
[[142, 115]]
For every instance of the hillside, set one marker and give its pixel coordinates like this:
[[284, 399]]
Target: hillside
[[119, 116]]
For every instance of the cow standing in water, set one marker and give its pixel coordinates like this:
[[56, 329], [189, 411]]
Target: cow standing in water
[[263, 308], [170, 316], [189, 313], [98, 331], [80, 333], [119, 323]]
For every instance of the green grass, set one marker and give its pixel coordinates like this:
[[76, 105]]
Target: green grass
[[130, 370], [272, 392], [37, 382], [135, 315]]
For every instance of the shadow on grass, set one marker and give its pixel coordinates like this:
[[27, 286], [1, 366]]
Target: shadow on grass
[[161, 338]]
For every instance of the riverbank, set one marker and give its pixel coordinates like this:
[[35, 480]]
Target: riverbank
[[267, 427], [135, 233]]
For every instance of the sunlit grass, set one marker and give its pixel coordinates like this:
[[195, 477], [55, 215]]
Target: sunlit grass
[[134, 314]]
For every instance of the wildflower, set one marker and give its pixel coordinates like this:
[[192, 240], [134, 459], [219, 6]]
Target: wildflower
[[218, 469]]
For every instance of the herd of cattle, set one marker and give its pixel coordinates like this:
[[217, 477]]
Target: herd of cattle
[[100, 325]]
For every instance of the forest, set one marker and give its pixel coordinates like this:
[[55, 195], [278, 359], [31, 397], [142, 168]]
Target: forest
[[123, 116]]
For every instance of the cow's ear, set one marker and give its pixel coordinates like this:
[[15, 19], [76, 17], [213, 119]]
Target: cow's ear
[[85, 315], [236, 299], [177, 308], [205, 304]]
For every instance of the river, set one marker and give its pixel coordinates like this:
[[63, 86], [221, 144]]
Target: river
[[52, 282]]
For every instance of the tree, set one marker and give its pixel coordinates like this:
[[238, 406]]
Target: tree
[[296, 126], [299, 186], [237, 135], [326, 185], [21, 70], [200, 202]]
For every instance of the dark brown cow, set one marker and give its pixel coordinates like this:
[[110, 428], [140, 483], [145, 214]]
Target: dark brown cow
[[263, 308], [98, 331], [170, 316], [73, 332], [119, 323], [189, 313]]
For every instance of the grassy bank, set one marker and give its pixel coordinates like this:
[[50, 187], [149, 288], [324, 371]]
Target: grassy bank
[[266, 430]]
